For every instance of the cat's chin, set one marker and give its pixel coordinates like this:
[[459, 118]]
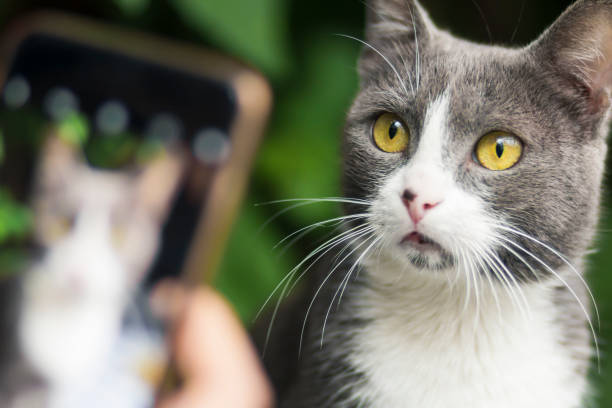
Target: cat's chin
[[424, 253]]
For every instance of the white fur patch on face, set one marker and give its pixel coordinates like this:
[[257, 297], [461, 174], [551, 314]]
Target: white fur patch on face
[[440, 210]]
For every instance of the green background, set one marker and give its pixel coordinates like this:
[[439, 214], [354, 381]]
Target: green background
[[312, 72]]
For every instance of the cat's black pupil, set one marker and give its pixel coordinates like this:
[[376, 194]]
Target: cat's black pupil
[[499, 149], [393, 129]]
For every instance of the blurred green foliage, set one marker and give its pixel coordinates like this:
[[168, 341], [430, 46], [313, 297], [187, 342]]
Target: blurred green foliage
[[1, 148], [12, 261], [74, 129], [255, 30], [15, 219], [133, 7]]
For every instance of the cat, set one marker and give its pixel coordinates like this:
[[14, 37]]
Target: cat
[[99, 231], [471, 177]]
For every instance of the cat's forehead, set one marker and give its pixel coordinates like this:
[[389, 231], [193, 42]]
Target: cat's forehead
[[487, 88], [101, 186], [459, 68]]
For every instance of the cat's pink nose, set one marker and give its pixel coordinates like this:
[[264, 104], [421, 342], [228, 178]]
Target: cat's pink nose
[[417, 205]]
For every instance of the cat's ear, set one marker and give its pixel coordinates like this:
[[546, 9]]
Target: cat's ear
[[157, 183], [397, 20], [57, 162], [396, 31], [577, 48]]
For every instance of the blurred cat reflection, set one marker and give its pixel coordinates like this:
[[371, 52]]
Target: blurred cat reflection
[[100, 230]]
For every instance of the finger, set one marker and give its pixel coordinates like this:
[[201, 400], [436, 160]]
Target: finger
[[215, 356]]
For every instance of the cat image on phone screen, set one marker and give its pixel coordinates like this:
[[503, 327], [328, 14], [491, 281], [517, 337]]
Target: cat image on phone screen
[[99, 231]]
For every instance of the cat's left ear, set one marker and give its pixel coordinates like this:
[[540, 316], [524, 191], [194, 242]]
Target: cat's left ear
[[578, 50], [158, 182]]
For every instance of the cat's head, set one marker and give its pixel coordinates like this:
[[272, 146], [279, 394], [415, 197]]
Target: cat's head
[[470, 154], [99, 229]]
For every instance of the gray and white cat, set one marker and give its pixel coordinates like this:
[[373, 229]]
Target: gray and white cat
[[473, 175]]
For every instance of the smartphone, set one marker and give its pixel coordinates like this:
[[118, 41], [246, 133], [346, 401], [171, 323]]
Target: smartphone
[[123, 159]]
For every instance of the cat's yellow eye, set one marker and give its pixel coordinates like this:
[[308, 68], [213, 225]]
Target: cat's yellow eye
[[390, 134], [498, 150]]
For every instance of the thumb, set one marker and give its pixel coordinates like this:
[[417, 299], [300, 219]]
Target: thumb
[[212, 353]]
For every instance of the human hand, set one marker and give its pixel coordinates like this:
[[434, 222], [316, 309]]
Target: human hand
[[211, 352]]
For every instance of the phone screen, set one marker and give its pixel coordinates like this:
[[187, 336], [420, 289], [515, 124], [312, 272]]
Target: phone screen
[[105, 164]]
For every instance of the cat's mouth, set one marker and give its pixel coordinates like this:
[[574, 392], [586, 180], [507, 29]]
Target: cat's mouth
[[420, 242]]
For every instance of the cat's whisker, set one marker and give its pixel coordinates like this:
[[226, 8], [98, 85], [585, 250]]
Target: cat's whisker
[[345, 281], [562, 257], [506, 286], [404, 63], [323, 246], [307, 229], [281, 212], [288, 286], [572, 292], [501, 240], [468, 294], [343, 250], [484, 20], [515, 283], [380, 241], [297, 238], [478, 259], [344, 239], [301, 202], [485, 253], [337, 226], [399, 78], [401, 54], [417, 61], [472, 273], [381, 246], [477, 289], [467, 275], [316, 294], [518, 22], [318, 200]]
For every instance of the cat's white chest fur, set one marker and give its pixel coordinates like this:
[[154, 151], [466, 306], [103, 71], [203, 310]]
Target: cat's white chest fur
[[425, 348]]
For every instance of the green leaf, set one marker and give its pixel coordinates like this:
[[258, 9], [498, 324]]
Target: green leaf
[[253, 30]]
